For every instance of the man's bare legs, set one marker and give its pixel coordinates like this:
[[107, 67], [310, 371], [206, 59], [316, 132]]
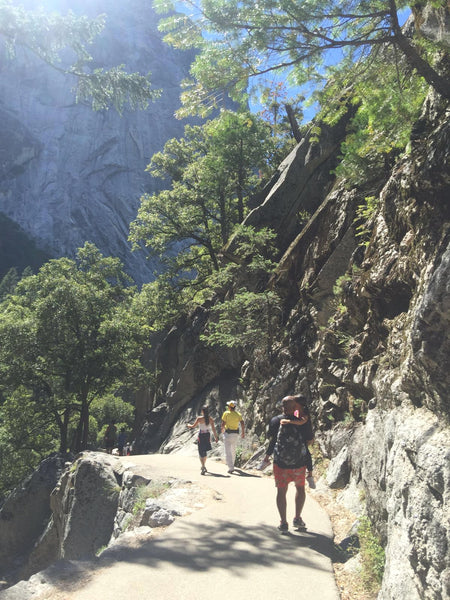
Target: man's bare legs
[[300, 497], [281, 503]]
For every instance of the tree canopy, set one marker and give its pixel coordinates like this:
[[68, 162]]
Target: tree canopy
[[210, 172], [67, 338], [47, 35], [312, 40]]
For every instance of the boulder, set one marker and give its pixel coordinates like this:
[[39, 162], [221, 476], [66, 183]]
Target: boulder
[[338, 474], [85, 504], [26, 513]]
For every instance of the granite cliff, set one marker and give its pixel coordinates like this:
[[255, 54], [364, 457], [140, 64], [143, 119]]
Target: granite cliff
[[69, 174], [364, 335]]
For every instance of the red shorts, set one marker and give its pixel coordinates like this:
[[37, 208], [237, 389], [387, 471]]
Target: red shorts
[[284, 476]]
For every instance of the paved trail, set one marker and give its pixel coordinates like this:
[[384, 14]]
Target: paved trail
[[229, 549]]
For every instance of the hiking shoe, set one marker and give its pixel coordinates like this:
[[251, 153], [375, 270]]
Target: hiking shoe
[[283, 527], [311, 482], [299, 523]]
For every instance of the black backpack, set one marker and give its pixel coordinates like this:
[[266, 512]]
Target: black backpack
[[290, 447]]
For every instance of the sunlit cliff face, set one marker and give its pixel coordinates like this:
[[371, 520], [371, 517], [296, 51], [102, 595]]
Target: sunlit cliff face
[[76, 175]]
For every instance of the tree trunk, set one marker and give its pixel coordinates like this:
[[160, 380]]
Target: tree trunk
[[223, 217], [431, 76], [240, 185], [77, 436], [293, 123], [85, 425], [63, 425]]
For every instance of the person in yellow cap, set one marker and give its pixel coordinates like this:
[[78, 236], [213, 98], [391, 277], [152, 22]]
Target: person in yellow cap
[[231, 420]]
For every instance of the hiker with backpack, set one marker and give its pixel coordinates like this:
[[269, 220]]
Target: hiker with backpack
[[289, 460]]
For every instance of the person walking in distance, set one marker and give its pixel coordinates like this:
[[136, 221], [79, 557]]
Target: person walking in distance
[[121, 441], [289, 460], [110, 437], [231, 420], [205, 424]]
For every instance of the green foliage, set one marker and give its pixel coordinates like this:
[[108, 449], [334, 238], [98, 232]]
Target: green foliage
[[212, 171], [377, 135], [68, 337], [8, 283], [372, 556], [112, 408], [364, 214], [49, 35], [338, 287], [161, 302], [276, 104], [245, 318], [246, 321], [27, 436], [310, 42], [115, 87]]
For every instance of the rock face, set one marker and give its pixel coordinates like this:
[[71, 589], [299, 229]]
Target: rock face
[[300, 183], [366, 338], [69, 174], [190, 374], [26, 512], [84, 505], [61, 511]]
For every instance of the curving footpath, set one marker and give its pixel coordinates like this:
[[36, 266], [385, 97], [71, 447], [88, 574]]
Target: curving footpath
[[230, 548]]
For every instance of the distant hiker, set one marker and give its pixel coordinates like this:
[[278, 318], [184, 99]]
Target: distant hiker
[[231, 420], [205, 424], [110, 437], [302, 410], [289, 460], [121, 441]]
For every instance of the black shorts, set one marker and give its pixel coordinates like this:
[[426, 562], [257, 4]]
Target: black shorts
[[204, 443]]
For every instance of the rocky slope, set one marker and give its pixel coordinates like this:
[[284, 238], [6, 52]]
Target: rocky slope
[[365, 336], [68, 174]]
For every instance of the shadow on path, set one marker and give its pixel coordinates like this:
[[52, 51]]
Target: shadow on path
[[212, 474], [244, 473], [225, 545]]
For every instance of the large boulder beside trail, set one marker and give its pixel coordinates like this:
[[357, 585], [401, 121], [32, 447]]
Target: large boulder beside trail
[[26, 512], [84, 505]]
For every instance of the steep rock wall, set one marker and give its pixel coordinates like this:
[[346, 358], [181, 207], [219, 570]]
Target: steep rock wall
[[366, 337], [370, 352], [69, 174]]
